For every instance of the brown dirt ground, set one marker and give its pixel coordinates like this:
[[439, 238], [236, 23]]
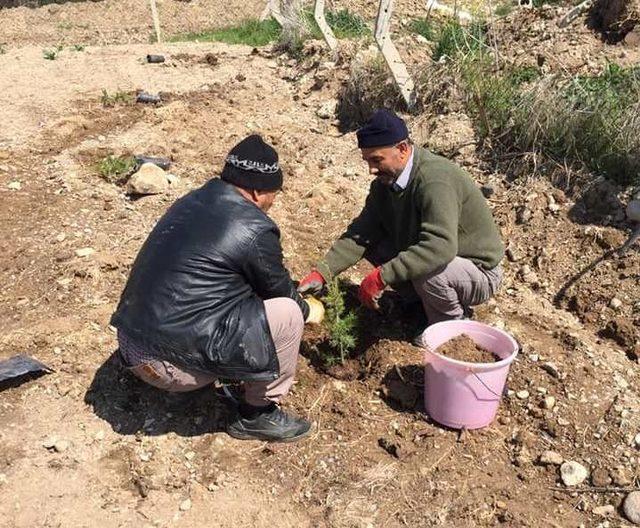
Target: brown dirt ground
[[136, 455]]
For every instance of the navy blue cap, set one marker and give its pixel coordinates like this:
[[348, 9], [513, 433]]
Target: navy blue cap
[[383, 128]]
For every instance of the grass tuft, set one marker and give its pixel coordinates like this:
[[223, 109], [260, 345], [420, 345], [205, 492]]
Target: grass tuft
[[251, 32], [114, 169]]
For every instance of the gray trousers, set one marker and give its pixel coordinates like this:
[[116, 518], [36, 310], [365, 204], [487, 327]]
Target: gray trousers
[[448, 292]]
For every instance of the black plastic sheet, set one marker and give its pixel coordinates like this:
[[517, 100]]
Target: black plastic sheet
[[18, 366]]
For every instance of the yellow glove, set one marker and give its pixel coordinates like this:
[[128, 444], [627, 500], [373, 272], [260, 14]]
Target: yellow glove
[[316, 311]]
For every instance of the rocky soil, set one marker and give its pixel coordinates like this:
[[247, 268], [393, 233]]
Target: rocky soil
[[89, 445]]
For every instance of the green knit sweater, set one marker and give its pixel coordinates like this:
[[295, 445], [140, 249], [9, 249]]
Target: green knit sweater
[[441, 214]]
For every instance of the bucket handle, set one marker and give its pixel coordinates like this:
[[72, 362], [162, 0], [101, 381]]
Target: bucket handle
[[504, 391]]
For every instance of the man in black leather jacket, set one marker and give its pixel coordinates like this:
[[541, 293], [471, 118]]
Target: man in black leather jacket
[[209, 297]]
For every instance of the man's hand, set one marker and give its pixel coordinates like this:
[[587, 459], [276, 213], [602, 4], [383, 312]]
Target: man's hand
[[316, 311], [371, 289], [312, 284]]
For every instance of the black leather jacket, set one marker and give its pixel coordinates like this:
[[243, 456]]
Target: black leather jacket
[[195, 293]]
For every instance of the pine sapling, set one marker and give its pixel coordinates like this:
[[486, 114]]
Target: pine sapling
[[341, 323]]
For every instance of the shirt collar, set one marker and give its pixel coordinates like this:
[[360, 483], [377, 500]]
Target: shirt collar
[[403, 180]]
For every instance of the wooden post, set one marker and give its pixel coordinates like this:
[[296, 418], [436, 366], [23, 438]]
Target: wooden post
[[156, 20], [390, 53], [327, 33]]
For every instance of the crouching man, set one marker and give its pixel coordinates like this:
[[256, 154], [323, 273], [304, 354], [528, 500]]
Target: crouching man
[[209, 297], [425, 227]]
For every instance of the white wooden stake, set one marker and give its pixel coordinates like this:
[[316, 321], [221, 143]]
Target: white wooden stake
[[327, 33], [156, 20], [390, 53], [273, 9]]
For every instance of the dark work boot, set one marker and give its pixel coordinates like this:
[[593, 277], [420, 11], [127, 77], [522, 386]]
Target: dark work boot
[[269, 423]]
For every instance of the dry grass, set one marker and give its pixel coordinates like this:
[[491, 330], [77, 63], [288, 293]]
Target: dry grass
[[369, 87]]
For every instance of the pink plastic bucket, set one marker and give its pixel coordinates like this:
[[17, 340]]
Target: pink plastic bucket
[[460, 394]]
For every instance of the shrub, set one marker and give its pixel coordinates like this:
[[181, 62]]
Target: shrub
[[346, 24], [456, 40], [424, 27]]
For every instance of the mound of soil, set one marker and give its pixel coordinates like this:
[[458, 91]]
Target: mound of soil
[[463, 348]]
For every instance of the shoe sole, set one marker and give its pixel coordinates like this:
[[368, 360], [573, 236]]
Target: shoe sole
[[245, 436]]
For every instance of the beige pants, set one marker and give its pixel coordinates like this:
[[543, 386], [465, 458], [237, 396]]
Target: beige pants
[[286, 325]]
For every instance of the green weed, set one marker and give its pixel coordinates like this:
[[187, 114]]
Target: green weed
[[78, 47], [3, 48], [115, 169], [424, 27], [456, 40], [347, 25], [119, 96]]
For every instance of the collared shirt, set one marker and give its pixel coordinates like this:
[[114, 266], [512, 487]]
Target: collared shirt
[[403, 180]]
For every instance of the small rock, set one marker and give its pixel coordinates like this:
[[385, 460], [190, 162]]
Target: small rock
[[554, 207], [604, 511], [49, 442], [189, 455], [185, 505], [551, 458], [549, 403], [61, 446], [85, 252], [14, 186], [149, 179], [573, 473], [615, 303], [421, 39], [631, 507], [99, 435], [327, 110], [522, 395], [523, 215], [551, 369], [621, 477]]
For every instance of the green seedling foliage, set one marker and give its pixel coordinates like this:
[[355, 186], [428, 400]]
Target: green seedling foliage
[[251, 32], [3, 48], [114, 169], [78, 47], [340, 323]]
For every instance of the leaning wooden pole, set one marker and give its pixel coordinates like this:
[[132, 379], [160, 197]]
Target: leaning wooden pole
[[390, 53], [327, 33], [156, 20]]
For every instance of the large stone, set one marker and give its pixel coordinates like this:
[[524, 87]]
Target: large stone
[[573, 473], [149, 179], [327, 110], [631, 507]]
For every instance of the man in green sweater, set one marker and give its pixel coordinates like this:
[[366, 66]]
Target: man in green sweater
[[425, 223]]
